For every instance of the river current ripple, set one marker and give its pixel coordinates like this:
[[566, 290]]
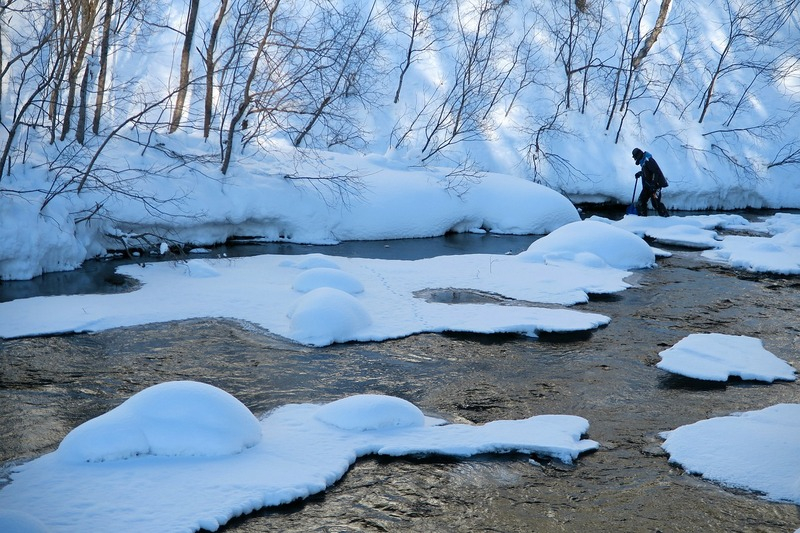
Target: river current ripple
[[49, 385]]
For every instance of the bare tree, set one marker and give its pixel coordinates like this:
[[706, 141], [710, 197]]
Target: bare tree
[[567, 47], [635, 48], [577, 29], [591, 46], [787, 155], [463, 109], [753, 43], [80, 126], [30, 72], [419, 29], [735, 33], [678, 68], [244, 104], [344, 74], [541, 130]]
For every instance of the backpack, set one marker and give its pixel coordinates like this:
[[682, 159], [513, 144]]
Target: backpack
[[658, 175]]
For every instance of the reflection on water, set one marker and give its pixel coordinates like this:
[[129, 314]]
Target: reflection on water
[[49, 385], [677, 382]]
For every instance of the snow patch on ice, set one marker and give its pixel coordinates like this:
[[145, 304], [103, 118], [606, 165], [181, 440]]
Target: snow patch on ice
[[716, 357], [756, 450]]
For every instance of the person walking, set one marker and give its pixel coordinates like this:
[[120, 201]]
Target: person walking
[[653, 180]]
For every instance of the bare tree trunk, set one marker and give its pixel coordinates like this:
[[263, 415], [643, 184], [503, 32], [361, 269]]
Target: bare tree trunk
[[63, 30], [713, 82], [652, 37], [333, 90], [416, 21], [183, 86], [590, 59], [2, 11], [101, 75], [567, 57], [87, 11], [80, 127], [405, 67], [210, 61]]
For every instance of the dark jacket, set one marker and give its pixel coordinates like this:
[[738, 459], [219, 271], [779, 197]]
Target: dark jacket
[[652, 177]]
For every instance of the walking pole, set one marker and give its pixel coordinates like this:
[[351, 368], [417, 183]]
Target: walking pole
[[632, 208]]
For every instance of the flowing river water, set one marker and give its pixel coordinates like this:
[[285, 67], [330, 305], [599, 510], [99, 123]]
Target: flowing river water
[[49, 385]]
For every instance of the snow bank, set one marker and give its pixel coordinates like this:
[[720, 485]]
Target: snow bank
[[389, 204], [317, 300], [33, 242]]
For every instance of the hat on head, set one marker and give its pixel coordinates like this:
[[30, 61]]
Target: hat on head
[[637, 154]]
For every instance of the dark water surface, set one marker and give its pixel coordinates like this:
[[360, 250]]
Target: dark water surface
[[49, 385]]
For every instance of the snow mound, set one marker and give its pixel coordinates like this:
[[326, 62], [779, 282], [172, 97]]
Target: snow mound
[[789, 238], [756, 450], [327, 277], [200, 268], [716, 357], [315, 261], [179, 418], [367, 412], [616, 247], [327, 315]]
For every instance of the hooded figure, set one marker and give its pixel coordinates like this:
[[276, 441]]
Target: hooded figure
[[653, 181]]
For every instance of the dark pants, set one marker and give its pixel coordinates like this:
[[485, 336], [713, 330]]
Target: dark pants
[[654, 196]]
